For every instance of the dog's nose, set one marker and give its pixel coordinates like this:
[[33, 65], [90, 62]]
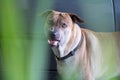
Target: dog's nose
[[54, 34]]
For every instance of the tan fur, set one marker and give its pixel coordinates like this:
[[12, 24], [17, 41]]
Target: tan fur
[[97, 57]]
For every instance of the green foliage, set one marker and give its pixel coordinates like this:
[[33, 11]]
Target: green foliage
[[21, 58]]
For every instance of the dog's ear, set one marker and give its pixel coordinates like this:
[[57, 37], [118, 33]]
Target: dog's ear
[[75, 18], [43, 17], [45, 13]]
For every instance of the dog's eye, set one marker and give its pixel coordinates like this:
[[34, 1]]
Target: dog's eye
[[64, 25]]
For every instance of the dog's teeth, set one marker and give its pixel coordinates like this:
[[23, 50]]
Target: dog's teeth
[[49, 41], [53, 42]]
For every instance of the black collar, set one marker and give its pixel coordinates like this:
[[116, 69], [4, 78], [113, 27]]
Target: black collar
[[71, 53]]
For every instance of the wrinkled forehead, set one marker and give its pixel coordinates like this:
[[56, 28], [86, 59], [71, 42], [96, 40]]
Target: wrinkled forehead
[[59, 17]]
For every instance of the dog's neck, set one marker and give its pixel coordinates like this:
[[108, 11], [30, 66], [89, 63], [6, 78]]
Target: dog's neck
[[71, 53], [77, 37]]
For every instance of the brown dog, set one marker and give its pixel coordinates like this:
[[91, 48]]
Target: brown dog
[[82, 54]]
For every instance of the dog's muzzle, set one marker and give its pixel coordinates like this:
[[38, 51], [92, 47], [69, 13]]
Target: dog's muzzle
[[54, 37]]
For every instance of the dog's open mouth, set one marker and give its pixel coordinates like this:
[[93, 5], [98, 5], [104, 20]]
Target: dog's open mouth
[[53, 42]]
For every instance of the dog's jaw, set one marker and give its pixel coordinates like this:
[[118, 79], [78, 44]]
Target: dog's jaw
[[58, 50]]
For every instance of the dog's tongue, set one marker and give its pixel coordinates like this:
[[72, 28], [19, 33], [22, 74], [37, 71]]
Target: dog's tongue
[[53, 42]]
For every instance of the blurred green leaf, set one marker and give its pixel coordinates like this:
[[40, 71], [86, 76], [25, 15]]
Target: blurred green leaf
[[11, 41]]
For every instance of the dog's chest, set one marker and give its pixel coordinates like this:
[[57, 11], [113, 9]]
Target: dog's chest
[[68, 70]]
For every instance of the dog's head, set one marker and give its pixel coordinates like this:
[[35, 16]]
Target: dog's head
[[59, 26]]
